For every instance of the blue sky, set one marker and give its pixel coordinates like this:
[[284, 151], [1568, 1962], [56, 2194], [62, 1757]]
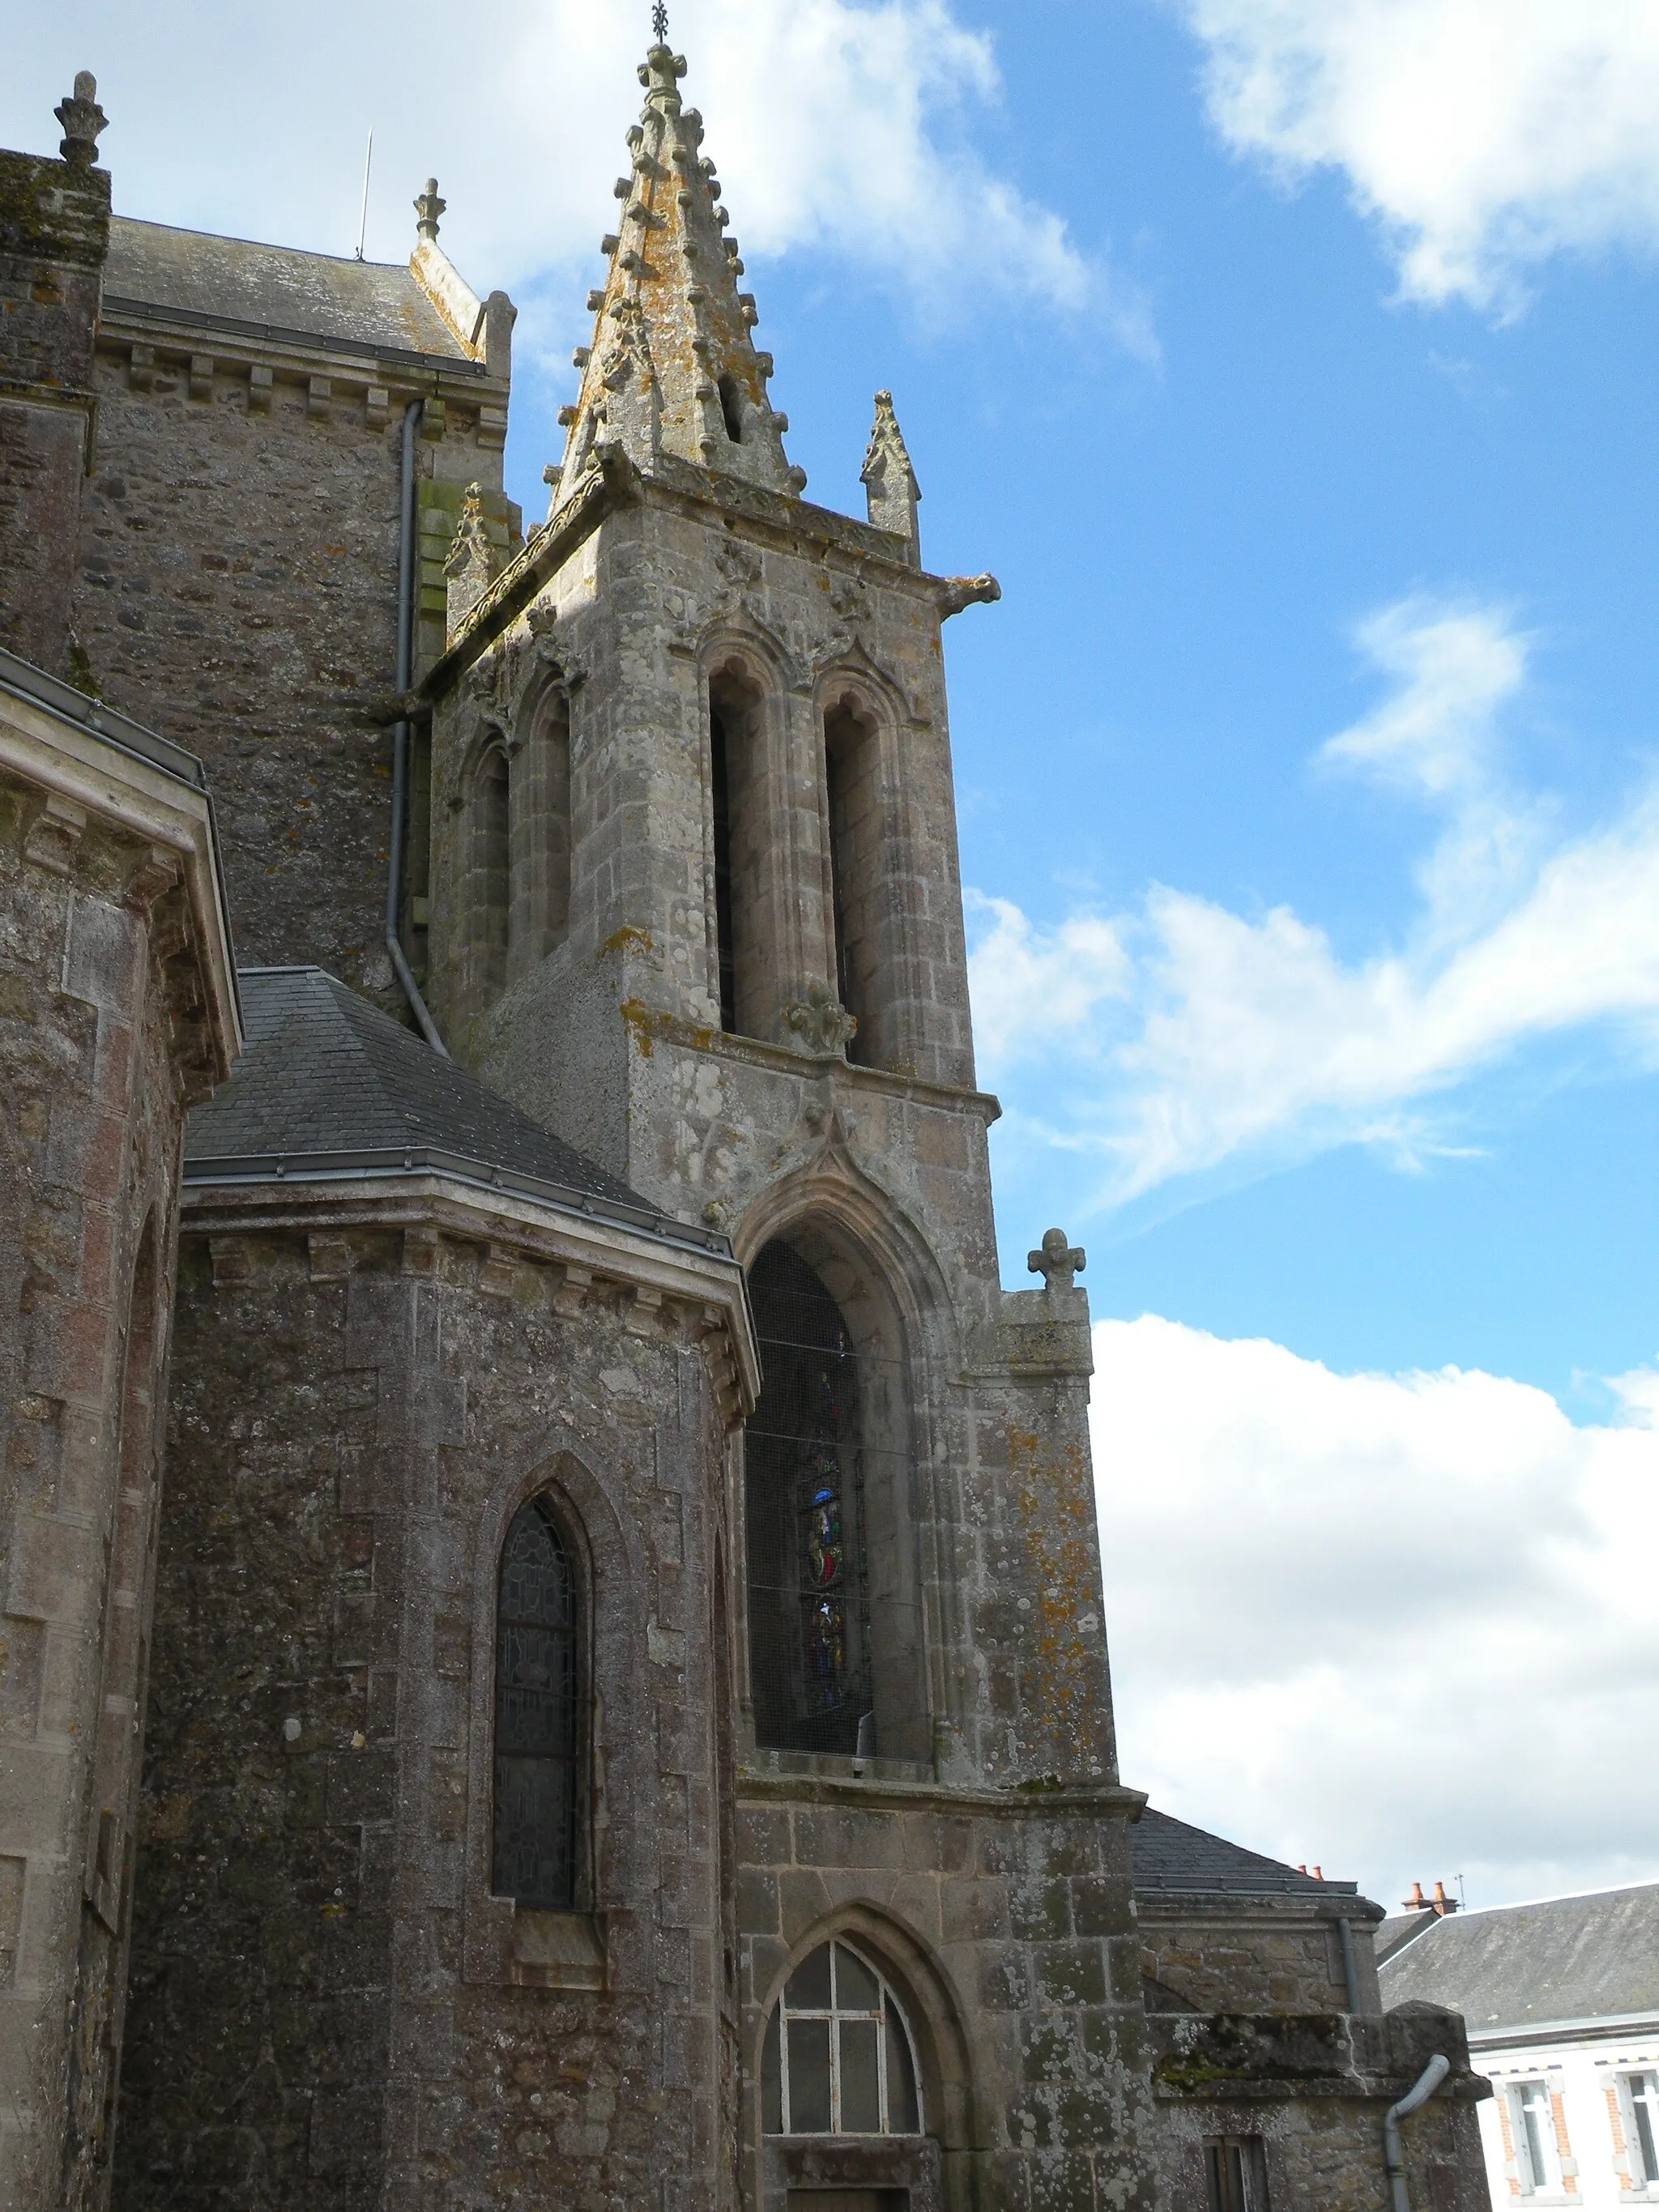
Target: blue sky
[[1292, 365]]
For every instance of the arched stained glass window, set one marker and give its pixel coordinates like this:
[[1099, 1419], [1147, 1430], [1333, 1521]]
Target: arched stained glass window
[[537, 1717], [837, 2059], [808, 1616]]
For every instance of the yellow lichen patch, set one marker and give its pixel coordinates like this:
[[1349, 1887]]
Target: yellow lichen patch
[[648, 1024], [629, 933]]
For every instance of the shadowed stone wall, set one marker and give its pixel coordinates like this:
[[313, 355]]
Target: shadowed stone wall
[[329, 2007], [54, 233], [116, 1011]]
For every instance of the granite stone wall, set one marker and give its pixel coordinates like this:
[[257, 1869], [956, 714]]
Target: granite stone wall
[[329, 2006], [54, 233], [114, 1014]]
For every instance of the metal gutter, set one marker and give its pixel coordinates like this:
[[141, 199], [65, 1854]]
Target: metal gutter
[[243, 1170]]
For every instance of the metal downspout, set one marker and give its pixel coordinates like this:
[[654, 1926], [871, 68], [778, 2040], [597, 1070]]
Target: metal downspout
[[394, 878], [1427, 2082]]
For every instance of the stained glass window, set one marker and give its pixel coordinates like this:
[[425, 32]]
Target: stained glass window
[[837, 2059], [809, 1620], [537, 1720]]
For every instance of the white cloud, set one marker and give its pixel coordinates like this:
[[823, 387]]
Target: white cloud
[[839, 127], [1484, 135], [1397, 1625], [1195, 1036]]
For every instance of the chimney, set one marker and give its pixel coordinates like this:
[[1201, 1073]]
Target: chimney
[[1443, 1904]]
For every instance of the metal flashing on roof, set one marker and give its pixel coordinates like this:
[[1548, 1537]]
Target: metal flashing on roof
[[373, 1166], [25, 681]]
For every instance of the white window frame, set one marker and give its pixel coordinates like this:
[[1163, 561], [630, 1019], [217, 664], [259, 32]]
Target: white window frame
[[886, 2004], [1533, 2183], [1643, 2175]]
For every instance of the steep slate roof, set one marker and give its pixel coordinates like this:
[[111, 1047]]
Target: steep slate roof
[[329, 1083], [1172, 1857], [1518, 1966], [365, 303]]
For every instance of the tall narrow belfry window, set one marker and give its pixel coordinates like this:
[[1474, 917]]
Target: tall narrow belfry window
[[742, 843], [721, 788], [540, 835], [852, 790], [488, 866], [809, 1617], [537, 1714]]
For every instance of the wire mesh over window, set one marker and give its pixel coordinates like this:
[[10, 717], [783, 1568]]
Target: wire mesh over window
[[837, 2059], [536, 1714], [809, 1617]]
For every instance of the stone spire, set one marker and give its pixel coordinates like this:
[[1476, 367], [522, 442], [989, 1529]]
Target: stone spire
[[672, 368], [889, 480]]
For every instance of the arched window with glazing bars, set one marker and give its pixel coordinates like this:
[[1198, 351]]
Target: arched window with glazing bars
[[837, 2059]]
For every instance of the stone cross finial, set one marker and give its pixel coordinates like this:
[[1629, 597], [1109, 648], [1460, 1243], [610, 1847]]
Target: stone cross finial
[[82, 119], [659, 23], [1056, 1260], [427, 208]]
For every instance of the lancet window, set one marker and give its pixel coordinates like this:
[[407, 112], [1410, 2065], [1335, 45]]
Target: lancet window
[[537, 1714], [837, 2058], [851, 791], [741, 842], [810, 1673], [488, 862]]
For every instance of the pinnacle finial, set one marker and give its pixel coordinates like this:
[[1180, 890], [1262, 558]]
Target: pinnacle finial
[[427, 208], [82, 119]]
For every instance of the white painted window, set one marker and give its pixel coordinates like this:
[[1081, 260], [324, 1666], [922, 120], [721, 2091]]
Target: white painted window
[[1642, 2137], [837, 2059], [1235, 2169], [1533, 2125]]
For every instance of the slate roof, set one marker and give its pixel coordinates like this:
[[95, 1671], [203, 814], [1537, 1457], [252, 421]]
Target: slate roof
[[1172, 1857], [1520, 1966], [329, 1086], [369, 304]]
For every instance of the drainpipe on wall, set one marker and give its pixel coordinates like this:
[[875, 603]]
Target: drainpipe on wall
[[394, 880], [1427, 2082]]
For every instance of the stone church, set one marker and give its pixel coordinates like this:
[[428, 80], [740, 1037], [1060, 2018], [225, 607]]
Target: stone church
[[551, 1647]]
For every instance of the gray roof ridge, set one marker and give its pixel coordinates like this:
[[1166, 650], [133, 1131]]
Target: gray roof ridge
[[264, 245]]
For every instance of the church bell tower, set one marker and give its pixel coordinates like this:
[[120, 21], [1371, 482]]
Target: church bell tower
[[695, 905]]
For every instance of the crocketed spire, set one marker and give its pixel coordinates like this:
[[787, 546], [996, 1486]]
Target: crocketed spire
[[889, 481], [672, 368]]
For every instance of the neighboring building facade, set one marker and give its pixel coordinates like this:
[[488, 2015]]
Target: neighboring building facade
[[1561, 2000], [629, 1722]]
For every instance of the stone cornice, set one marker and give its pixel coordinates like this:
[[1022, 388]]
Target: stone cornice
[[841, 1075], [184, 332], [676, 484], [96, 766], [1088, 1801]]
